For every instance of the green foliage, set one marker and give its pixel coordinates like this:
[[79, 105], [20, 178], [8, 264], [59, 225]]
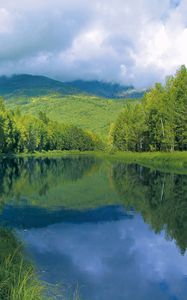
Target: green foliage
[[9, 134], [175, 162], [159, 123], [27, 133], [17, 276], [129, 130], [87, 112]]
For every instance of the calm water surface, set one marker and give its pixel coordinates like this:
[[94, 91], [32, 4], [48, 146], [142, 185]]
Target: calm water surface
[[113, 231]]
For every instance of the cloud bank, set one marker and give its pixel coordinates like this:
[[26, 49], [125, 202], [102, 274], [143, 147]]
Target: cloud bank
[[124, 41]]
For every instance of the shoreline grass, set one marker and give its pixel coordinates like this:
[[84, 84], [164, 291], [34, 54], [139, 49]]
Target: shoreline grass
[[18, 279], [163, 161]]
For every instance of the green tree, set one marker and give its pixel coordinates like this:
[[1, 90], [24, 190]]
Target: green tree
[[130, 129], [179, 94]]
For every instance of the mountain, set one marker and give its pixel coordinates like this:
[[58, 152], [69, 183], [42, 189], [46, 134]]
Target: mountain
[[106, 90], [33, 86]]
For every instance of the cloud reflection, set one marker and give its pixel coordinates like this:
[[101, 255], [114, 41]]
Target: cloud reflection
[[118, 260]]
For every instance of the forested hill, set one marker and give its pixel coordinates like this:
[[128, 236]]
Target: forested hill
[[106, 90], [32, 86]]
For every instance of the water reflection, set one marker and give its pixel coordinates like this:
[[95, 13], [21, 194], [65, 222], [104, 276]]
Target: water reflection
[[26, 179], [119, 231], [110, 260], [161, 198], [27, 217]]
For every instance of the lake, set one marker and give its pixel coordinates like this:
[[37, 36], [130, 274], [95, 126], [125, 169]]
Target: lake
[[106, 230]]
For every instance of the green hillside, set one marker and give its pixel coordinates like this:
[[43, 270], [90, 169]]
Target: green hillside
[[88, 112]]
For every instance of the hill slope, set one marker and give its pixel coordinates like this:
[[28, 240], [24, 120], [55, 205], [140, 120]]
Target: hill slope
[[88, 112], [67, 102], [33, 86], [30, 86]]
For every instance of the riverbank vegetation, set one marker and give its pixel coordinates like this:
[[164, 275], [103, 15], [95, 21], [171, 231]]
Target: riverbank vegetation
[[18, 277], [163, 161], [18, 280]]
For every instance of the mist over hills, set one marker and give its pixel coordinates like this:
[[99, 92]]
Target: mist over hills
[[33, 86]]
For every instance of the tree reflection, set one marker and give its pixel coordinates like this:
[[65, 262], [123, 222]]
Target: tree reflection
[[161, 198], [25, 177]]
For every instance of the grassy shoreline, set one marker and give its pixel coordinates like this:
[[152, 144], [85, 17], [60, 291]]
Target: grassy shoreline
[[167, 162], [163, 161], [18, 276], [18, 279]]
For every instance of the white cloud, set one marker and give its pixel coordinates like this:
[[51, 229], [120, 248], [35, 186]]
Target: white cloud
[[5, 21], [132, 42]]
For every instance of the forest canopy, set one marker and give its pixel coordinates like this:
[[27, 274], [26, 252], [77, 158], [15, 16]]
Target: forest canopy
[[158, 122], [26, 133]]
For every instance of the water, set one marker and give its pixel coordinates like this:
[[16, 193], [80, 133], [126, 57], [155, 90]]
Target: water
[[113, 231]]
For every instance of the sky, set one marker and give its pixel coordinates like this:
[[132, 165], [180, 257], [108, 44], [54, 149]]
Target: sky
[[136, 42]]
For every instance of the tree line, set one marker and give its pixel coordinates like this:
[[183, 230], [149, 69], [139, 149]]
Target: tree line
[[158, 122], [26, 133]]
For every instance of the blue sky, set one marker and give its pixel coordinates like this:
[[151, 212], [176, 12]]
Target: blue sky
[[127, 41]]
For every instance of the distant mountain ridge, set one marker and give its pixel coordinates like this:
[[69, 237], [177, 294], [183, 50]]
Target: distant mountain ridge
[[106, 90], [33, 85]]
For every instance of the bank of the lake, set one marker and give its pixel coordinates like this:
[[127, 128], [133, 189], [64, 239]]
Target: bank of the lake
[[18, 277], [163, 161], [18, 280]]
